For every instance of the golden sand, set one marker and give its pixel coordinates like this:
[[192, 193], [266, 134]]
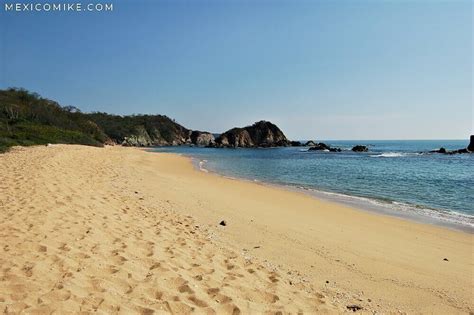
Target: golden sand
[[121, 230]]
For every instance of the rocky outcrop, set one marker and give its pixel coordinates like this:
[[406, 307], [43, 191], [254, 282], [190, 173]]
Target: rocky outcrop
[[262, 134], [319, 147], [444, 151], [469, 149], [360, 148], [440, 150], [310, 143], [142, 130], [202, 138], [323, 147], [140, 138], [295, 144]]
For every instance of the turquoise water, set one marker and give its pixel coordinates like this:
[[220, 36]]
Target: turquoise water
[[392, 176]]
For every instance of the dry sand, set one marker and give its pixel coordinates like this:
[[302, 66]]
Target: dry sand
[[121, 230]]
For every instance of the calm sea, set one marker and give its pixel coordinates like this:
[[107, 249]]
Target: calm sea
[[393, 177]]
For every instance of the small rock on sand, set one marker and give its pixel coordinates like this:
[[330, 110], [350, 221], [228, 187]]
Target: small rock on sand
[[354, 307]]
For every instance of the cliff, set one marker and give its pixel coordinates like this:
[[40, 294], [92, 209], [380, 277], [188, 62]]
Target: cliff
[[142, 130], [202, 138], [260, 134]]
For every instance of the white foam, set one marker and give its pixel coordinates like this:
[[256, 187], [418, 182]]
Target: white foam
[[201, 166], [394, 154], [401, 208]]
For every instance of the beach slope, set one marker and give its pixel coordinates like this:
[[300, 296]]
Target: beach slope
[[122, 230]]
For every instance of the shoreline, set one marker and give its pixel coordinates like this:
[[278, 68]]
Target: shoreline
[[121, 230], [445, 219]]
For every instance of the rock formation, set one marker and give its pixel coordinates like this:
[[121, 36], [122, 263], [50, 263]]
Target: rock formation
[[202, 138], [440, 150], [322, 147], [140, 138], [360, 148], [142, 130], [469, 149], [262, 134], [319, 147]]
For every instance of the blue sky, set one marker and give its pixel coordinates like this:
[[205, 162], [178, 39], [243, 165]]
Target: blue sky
[[318, 69]]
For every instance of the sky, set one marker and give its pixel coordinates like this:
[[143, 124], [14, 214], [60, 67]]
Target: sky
[[318, 69]]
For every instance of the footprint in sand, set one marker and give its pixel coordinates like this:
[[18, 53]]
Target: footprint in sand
[[197, 302]]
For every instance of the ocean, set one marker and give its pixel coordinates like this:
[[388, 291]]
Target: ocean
[[394, 177]]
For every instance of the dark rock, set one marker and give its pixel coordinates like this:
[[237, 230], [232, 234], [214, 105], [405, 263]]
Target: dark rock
[[262, 134], [440, 150], [354, 307], [360, 148], [327, 281], [460, 151], [319, 147], [295, 144], [202, 138], [310, 143], [323, 147], [446, 259], [223, 223], [470, 147]]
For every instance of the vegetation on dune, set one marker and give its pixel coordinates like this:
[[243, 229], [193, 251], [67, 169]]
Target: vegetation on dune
[[26, 118]]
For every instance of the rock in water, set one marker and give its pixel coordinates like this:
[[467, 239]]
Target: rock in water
[[360, 148], [262, 134], [323, 147], [470, 147], [320, 147]]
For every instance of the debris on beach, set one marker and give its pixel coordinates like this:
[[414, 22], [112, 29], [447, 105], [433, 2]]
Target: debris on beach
[[354, 307], [223, 223]]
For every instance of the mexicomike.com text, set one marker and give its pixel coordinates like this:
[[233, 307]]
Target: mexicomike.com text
[[58, 7]]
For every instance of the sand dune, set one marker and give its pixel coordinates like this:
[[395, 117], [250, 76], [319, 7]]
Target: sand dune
[[120, 230]]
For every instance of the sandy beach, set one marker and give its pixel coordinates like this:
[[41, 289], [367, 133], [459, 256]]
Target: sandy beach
[[122, 230]]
